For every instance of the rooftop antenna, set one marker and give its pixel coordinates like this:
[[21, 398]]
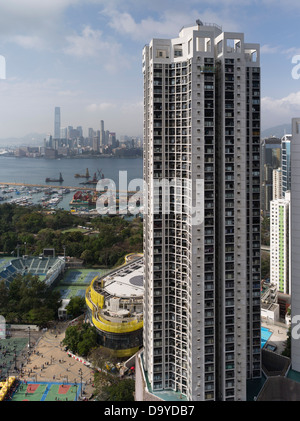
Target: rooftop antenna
[[199, 23]]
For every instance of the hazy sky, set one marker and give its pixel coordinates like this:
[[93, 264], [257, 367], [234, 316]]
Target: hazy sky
[[85, 57]]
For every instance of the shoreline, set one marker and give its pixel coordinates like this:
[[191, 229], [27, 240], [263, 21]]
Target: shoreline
[[74, 157]]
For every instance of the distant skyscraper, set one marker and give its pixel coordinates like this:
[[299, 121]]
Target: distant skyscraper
[[102, 134], [57, 123], [79, 131], [112, 140], [64, 133], [96, 141], [271, 152], [202, 281], [277, 184], [286, 162], [270, 160]]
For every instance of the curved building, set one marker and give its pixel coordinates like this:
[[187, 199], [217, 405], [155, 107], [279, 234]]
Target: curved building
[[115, 307]]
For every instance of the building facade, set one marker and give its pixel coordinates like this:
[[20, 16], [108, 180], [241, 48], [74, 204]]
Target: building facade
[[277, 184], [280, 244], [115, 308], [295, 244], [57, 123], [286, 163], [102, 135], [202, 280], [270, 161]]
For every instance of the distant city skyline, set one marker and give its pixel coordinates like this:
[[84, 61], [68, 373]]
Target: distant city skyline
[[84, 56]]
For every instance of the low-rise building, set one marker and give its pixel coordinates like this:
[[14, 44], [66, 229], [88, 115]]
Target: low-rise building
[[115, 308]]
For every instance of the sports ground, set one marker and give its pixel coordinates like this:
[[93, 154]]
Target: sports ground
[[76, 281], [48, 373], [43, 391]]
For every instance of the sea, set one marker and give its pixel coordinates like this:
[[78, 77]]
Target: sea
[[36, 170]]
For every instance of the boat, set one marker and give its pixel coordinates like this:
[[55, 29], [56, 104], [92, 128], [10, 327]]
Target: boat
[[83, 199], [100, 173], [93, 181], [86, 175], [54, 180]]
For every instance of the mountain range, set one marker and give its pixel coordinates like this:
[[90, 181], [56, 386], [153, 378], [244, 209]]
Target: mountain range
[[31, 139], [277, 131]]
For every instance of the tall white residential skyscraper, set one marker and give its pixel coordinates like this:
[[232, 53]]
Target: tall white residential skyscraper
[[57, 123], [202, 278], [280, 243], [295, 243]]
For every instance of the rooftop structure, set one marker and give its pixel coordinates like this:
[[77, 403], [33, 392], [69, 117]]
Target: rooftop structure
[[115, 307]]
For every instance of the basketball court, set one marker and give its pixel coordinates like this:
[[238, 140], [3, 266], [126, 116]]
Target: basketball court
[[44, 391]]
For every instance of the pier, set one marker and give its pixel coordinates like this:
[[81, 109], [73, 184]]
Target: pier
[[58, 186], [50, 186]]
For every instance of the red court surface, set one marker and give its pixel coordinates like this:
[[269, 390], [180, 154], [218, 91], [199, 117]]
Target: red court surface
[[63, 389], [31, 388]]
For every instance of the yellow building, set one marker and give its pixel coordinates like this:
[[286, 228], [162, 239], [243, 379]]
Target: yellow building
[[115, 307]]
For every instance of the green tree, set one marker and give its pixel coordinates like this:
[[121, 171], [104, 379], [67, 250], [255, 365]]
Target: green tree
[[3, 296], [71, 339], [81, 339], [122, 390], [87, 256], [76, 306], [40, 316], [30, 300], [88, 341]]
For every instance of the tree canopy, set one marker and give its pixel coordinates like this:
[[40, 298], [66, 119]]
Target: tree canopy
[[112, 237], [76, 306], [27, 299], [81, 339]]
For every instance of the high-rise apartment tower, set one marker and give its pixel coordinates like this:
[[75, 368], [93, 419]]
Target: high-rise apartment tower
[[202, 278], [295, 244]]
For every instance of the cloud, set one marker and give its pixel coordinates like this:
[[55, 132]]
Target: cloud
[[33, 24], [34, 8], [167, 25], [268, 49], [88, 44], [95, 108], [280, 110], [25, 16], [69, 93], [132, 108], [29, 42], [91, 43]]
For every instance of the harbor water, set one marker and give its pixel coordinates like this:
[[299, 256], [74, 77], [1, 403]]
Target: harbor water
[[34, 171]]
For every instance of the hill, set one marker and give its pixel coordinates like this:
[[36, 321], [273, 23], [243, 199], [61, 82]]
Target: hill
[[277, 131]]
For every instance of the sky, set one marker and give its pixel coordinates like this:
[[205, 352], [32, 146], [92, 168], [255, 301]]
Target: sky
[[85, 56]]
